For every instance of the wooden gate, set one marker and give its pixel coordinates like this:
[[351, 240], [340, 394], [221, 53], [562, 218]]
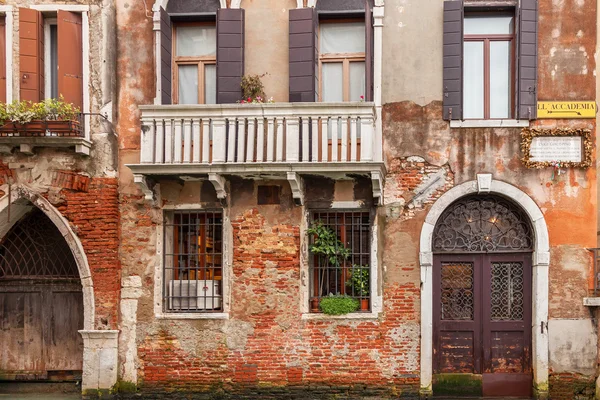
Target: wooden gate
[[41, 304], [482, 300]]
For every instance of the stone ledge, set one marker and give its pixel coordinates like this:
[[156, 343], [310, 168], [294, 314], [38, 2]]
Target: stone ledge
[[591, 301]]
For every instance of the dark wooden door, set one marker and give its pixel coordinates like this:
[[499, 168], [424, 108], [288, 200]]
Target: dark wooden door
[[39, 324], [482, 324]]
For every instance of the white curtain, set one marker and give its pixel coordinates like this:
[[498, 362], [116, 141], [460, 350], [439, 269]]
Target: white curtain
[[347, 37], [357, 80], [483, 25], [333, 82], [196, 41], [188, 84], [210, 84], [473, 95], [500, 79]]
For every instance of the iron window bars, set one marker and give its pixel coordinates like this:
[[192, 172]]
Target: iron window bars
[[352, 276], [193, 264]]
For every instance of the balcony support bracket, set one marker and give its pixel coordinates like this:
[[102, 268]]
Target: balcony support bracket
[[377, 183], [219, 183], [297, 185], [146, 185]]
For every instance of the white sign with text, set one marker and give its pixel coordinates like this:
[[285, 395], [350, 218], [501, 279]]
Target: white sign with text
[[556, 148]]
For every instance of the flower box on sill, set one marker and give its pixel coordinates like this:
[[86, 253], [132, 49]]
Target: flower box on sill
[[42, 128]]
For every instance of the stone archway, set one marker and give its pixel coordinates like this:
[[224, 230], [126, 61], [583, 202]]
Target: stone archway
[[541, 259]]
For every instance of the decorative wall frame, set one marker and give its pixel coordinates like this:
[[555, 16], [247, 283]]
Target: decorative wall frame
[[528, 134]]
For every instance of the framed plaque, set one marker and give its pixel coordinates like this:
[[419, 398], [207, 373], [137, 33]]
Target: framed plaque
[[556, 147]]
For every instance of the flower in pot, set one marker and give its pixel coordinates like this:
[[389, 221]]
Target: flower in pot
[[359, 284], [50, 115], [330, 253], [338, 304]]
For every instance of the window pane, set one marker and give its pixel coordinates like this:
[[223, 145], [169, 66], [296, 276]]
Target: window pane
[[357, 80], [473, 80], [54, 61], [500, 79], [346, 37], [188, 84], [333, 82], [196, 41], [492, 24], [210, 84]]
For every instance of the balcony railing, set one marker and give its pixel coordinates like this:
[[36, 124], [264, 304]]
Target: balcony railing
[[252, 134]]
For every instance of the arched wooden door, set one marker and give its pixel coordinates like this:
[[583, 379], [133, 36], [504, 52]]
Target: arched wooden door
[[482, 299], [41, 303]]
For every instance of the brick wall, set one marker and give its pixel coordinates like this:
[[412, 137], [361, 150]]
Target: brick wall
[[570, 386]]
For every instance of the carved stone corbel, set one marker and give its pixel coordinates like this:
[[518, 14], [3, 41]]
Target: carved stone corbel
[[297, 185], [377, 183], [219, 183], [144, 183], [484, 183]]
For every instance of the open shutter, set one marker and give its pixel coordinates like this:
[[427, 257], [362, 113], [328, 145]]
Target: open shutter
[[31, 54], [70, 58], [2, 60], [166, 38], [453, 56], [230, 54], [369, 50], [303, 55], [527, 37]]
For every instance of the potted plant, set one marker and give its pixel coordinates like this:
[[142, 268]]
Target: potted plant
[[338, 304], [253, 90], [359, 284], [330, 251], [51, 116]]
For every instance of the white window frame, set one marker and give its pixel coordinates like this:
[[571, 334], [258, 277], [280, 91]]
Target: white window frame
[[47, 48], [159, 312], [85, 37], [7, 12], [374, 280]]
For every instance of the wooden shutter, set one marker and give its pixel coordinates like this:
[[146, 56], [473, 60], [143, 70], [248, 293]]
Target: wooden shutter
[[166, 60], [31, 54], [230, 54], [453, 58], [2, 60], [527, 61], [70, 57], [369, 50], [303, 55]]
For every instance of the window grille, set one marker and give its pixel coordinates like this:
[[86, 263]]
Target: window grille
[[350, 275], [193, 268]]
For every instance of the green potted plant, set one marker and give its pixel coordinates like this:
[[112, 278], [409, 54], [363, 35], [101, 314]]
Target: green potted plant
[[253, 90], [338, 304], [330, 251], [359, 284], [51, 116]]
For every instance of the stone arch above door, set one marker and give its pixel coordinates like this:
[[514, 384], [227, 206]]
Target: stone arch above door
[[20, 200], [485, 184]]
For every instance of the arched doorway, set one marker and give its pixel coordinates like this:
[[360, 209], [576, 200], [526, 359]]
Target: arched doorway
[[482, 298], [41, 302]]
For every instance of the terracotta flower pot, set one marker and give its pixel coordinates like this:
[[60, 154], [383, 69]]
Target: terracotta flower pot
[[364, 304], [314, 304]]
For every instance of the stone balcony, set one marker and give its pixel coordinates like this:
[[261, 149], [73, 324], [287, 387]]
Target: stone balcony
[[260, 141]]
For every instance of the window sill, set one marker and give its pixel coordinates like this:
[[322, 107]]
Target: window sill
[[591, 301], [490, 123], [320, 317], [192, 316]]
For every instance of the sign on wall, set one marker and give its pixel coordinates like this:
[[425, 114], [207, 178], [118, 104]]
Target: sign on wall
[[566, 109], [556, 147]]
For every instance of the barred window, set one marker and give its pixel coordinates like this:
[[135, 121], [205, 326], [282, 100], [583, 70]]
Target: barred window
[[348, 273], [193, 272]]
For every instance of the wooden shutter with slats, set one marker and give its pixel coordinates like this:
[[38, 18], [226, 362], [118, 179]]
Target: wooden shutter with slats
[[453, 59], [230, 54], [303, 57], [527, 61], [70, 57], [166, 38], [2, 60], [31, 54]]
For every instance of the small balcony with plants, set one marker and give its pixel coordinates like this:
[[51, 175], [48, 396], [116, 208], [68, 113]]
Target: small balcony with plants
[[51, 123]]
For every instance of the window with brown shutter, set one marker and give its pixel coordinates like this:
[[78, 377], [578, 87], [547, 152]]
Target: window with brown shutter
[[70, 57], [2, 60], [31, 54]]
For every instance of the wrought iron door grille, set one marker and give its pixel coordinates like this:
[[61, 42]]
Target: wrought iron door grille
[[35, 248], [457, 291], [193, 264], [507, 291], [482, 224], [351, 275]]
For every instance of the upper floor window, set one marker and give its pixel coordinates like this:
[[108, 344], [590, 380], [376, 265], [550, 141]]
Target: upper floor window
[[488, 66], [342, 61], [193, 263], [195, 58]]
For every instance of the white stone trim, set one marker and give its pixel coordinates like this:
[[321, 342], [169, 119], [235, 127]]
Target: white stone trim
[[100, 359], [63, 7], [159, 266], [8, 21], [489, 123], [540, 262], [22, 192]]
